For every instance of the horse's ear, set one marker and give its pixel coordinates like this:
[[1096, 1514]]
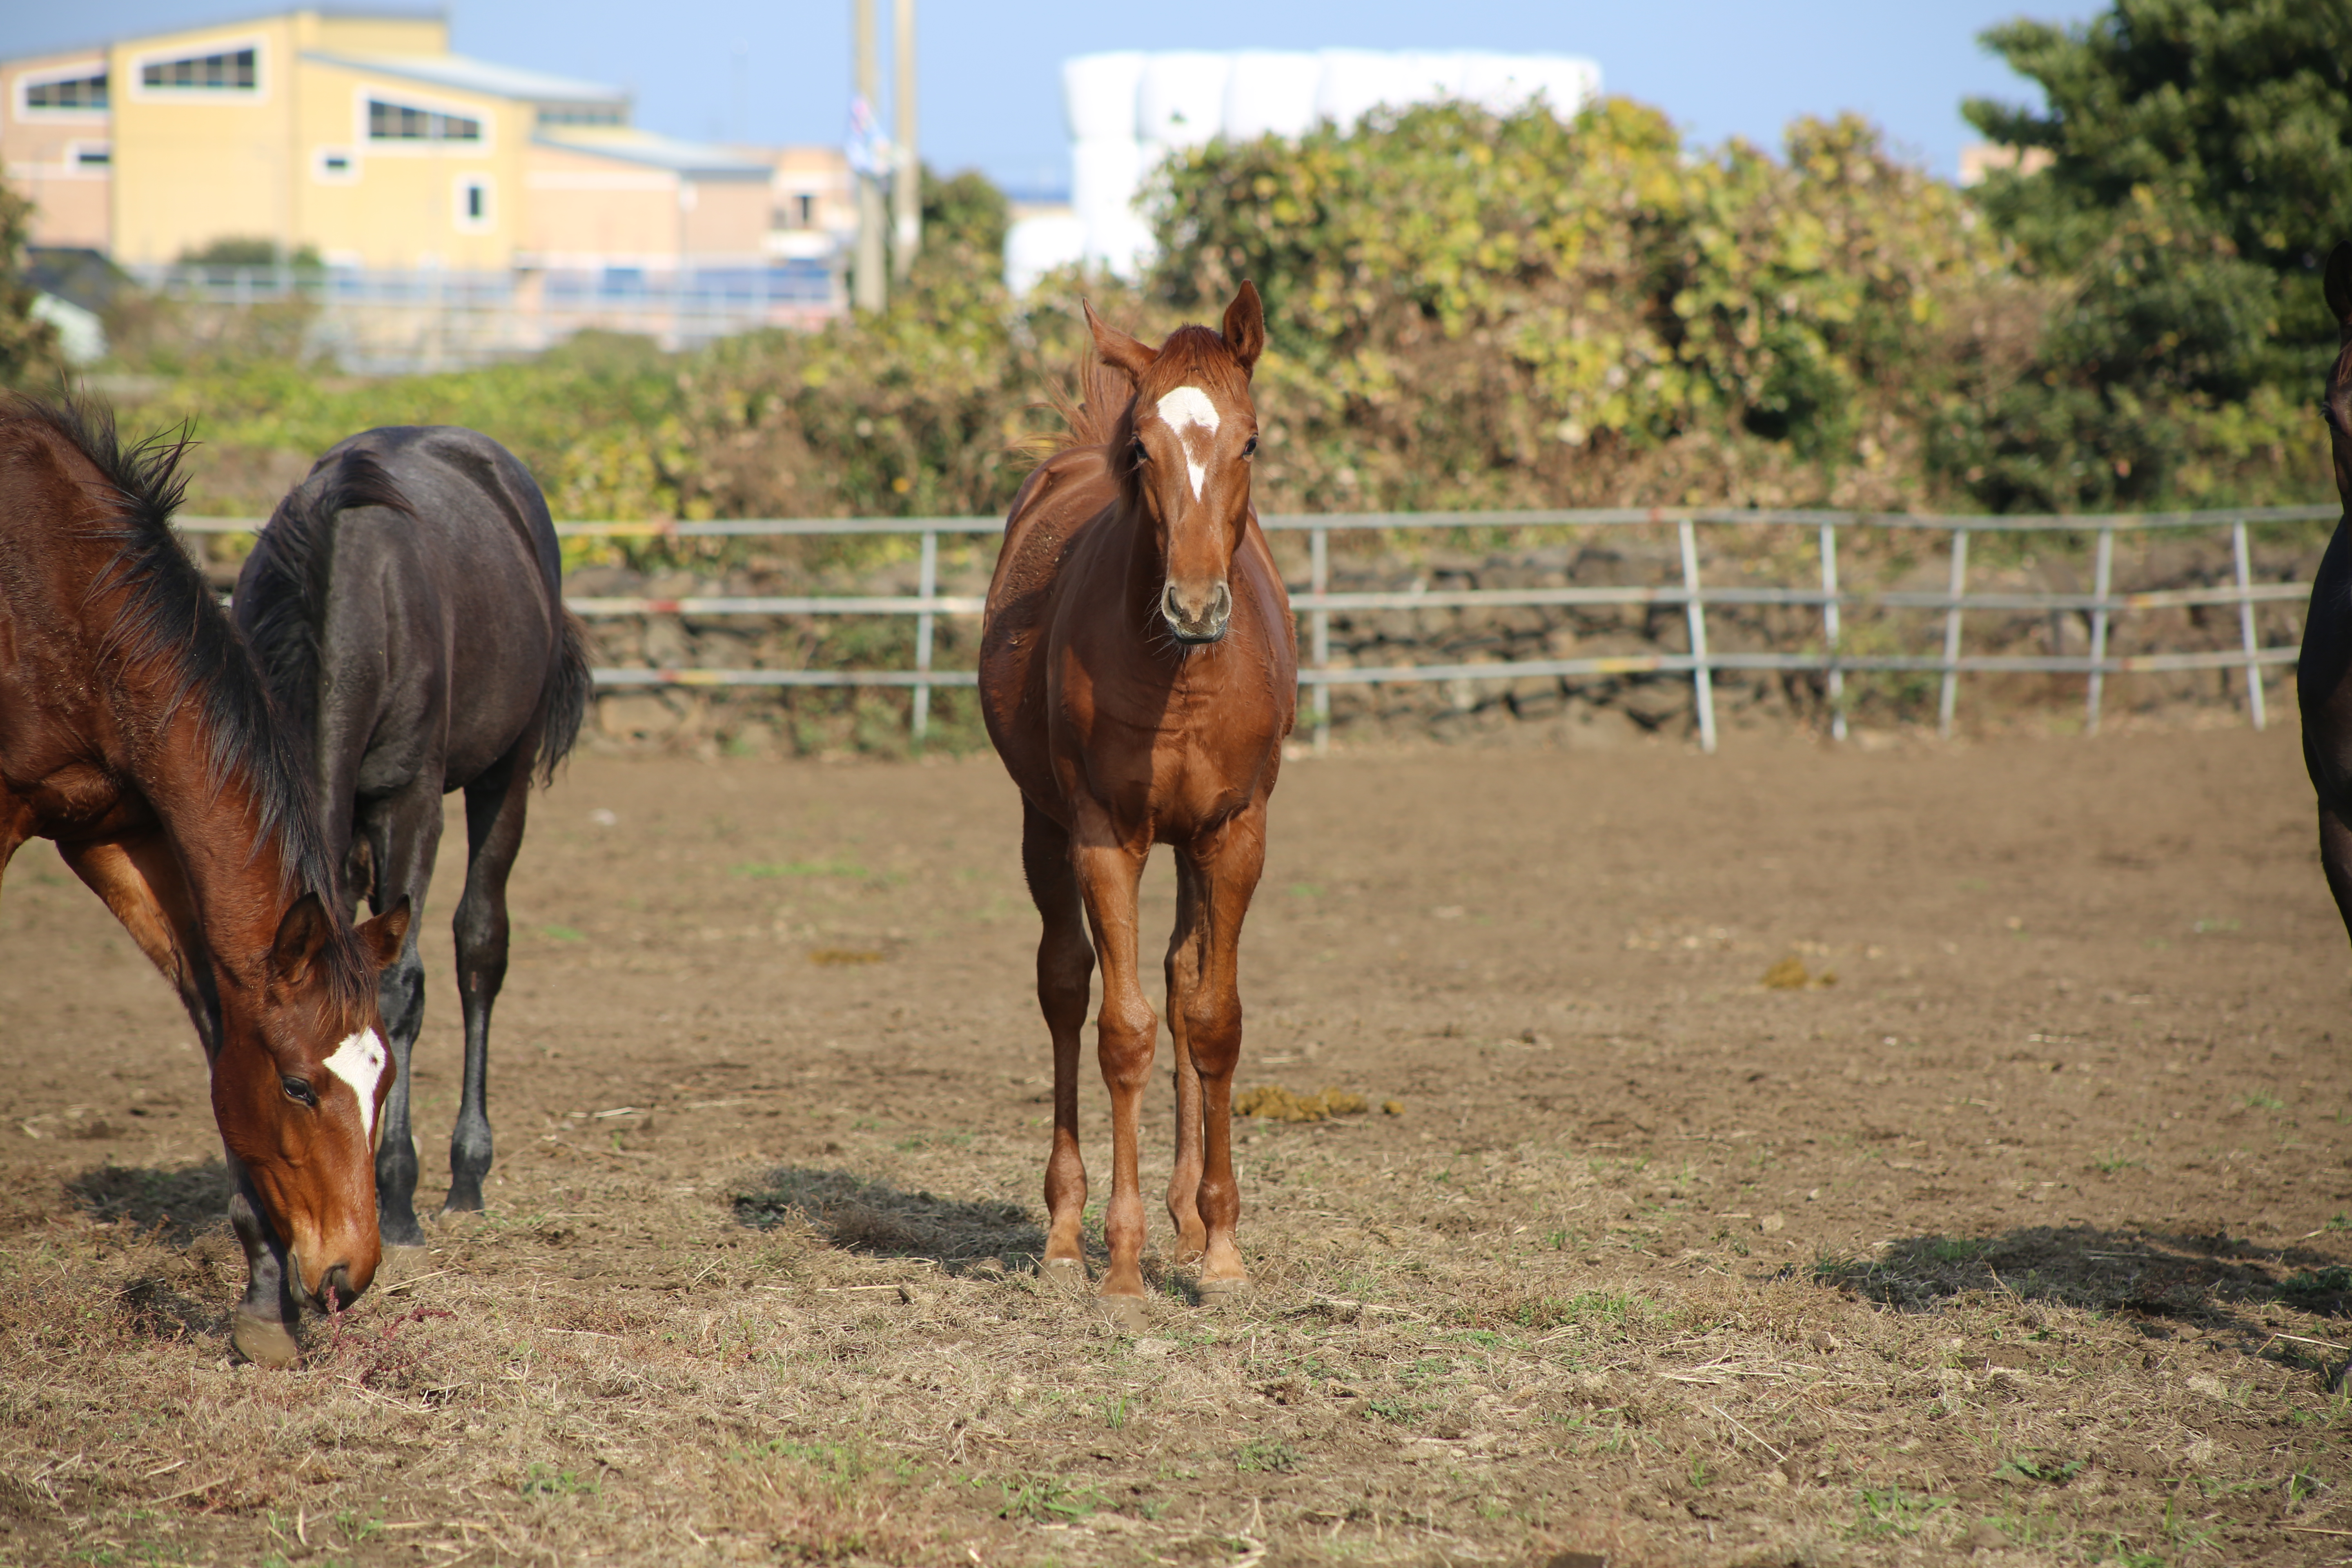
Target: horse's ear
[[2340, 282], [1116, 349], [1245, 326], [302, 935], [381, 938]]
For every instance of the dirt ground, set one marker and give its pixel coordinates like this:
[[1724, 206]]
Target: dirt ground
[[2021, 1240]]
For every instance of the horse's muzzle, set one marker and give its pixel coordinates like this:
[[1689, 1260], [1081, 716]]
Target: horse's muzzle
[[335, 1291], [1198, 618]]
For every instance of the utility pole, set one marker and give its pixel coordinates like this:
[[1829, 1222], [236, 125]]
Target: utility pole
[[907, 189], [869, 293]]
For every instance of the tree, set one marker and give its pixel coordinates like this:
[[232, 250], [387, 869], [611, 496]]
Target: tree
[[2199, 170], [28, 346]]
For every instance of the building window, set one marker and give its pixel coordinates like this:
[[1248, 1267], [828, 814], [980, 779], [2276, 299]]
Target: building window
[[472, 204], [73, 93], [579, 114], [335, 165], [231, 71], [97, 156], [403, 122], [798, 212]]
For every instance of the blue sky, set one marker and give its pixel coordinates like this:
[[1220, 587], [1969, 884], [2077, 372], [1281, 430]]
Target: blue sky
[[779, 72]]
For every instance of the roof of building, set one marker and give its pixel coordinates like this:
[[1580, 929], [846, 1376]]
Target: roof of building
[[632, 145], [385, 12], [468, 75]]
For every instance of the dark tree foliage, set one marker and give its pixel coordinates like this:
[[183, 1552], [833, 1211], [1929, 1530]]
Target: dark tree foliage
[[2199, 170]]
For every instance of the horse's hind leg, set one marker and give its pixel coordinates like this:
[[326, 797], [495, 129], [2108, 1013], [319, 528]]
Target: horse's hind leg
[[403, 835], [1066, 969], [1183, 983], [495, 806]]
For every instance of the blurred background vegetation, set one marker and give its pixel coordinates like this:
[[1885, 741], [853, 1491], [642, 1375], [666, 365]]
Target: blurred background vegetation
[[1467, 312]]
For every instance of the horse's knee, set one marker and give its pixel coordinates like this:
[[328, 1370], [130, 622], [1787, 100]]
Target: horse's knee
[[1127, 1030], [1213, 1031]]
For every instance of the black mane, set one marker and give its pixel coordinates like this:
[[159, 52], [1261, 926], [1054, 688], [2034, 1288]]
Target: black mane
[[171, 621], [290, 566]]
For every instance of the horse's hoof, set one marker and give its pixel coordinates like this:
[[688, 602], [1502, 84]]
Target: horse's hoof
[[264, 1342], [1223, 1294], [1067, 1272], [400, 1230], [1126, 1315], [463, 1203]]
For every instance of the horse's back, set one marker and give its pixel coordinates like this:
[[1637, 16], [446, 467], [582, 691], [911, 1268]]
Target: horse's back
[[444, 621], [478, 492]]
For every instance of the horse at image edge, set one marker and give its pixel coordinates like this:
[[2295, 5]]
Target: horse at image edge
[[136, 732]]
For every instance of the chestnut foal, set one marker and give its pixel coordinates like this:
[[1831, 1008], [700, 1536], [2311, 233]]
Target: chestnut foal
[[1139, 671]]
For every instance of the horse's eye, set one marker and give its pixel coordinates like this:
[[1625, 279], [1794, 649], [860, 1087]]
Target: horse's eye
[[298, 1091], [1134, 450], [1250, 450]]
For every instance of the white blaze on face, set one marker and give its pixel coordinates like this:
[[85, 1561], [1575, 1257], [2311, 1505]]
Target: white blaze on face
[[359, 1061], [1189, 413]]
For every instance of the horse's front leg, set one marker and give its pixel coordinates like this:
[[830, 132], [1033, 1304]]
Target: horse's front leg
[[1127, 1032], [1226, 865], [1183, 981], [403, 835], [262, 1326]]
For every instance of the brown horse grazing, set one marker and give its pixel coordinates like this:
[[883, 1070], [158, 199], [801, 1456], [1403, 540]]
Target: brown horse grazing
[[1139, 671], [135, 732], [2322, 673]]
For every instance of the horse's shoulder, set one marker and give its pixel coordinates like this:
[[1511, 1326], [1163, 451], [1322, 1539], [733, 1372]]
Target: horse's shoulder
[[1060, 497]]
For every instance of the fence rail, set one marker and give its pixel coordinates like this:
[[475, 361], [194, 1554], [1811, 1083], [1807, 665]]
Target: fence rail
[[1316, 604]]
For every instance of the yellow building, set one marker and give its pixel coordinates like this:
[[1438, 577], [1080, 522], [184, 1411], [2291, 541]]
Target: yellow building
[[358, 135]]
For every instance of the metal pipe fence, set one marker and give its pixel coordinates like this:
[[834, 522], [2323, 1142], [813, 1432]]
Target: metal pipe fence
[[1317, 603]]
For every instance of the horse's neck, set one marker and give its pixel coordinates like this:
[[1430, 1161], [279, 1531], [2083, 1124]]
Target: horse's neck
[[236, 867]]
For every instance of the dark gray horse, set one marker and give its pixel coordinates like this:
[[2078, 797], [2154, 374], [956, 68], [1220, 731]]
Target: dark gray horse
[[2323, 690], [405, 601]]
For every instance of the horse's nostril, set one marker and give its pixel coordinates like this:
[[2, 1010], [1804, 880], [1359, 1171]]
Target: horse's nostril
[[335, 1291]]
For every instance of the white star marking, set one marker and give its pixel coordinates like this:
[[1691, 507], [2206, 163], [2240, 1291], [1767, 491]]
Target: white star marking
[[1184, 411], [359, 1061]]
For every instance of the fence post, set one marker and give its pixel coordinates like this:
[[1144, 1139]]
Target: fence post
[[1830, 629], [2102, 578], [930, 590], [2246, 628], [1318, 582], [1951, 694], [1702, 679]]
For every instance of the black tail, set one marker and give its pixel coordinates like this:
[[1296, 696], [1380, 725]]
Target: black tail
[[282, 598], [568, 688]]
